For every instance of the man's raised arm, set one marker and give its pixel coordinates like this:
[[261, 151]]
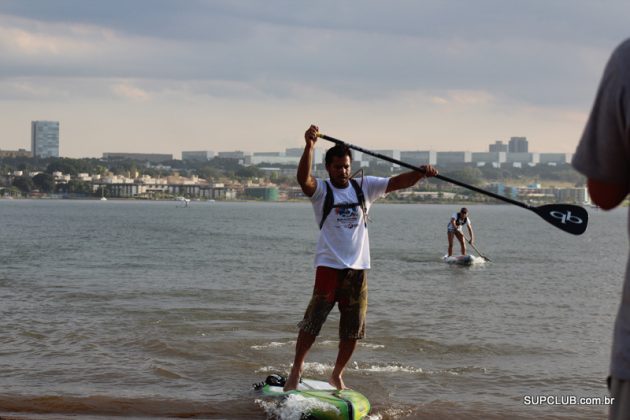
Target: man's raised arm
[[304, 177], [409, 179]]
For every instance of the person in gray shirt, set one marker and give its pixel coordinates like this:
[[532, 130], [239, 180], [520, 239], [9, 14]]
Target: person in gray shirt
[[603, 156]]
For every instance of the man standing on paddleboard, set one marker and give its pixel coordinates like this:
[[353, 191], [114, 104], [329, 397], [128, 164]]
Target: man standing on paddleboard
[[341, 205], [603, 155]]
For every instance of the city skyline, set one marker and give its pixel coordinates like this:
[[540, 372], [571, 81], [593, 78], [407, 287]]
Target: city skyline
[[171, 76], [45, 142]]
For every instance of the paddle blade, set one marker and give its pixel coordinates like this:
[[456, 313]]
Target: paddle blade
[[570, 218]]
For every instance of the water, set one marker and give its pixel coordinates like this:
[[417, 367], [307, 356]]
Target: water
[[144, 309]]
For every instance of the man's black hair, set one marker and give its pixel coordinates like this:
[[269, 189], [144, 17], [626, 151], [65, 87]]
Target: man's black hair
[[338, 150]]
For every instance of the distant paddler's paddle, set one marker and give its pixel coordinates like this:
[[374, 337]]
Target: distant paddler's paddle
[[568, 217], [475, 248]]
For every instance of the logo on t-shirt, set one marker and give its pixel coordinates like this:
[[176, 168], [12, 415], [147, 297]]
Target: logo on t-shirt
[[346, 217]]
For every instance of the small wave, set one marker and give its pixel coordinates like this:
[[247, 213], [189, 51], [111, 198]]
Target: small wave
[[396, 413], [387, 367], [319, 368], [268, 369], [273, 344], [165, 373], [310, 368], [372, 345], [335, 343], [33, 334], [464, 370], [294, 407], [401, 368]]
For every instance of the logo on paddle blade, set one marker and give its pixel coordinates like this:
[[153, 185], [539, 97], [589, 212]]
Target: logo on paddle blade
[[570, 218], [566, 217]]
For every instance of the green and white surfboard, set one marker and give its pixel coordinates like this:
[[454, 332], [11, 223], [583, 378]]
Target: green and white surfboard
[[317, 399]]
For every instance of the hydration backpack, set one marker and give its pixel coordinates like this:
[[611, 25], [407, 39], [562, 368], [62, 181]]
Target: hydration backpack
[[329, 202]]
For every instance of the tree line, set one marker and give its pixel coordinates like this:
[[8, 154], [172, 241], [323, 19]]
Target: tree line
[[223, 168]]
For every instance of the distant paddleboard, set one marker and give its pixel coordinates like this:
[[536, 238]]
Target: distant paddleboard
[[463, 259], [316, 399]]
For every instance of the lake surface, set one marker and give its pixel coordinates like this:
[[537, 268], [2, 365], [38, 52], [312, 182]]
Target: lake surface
[[147, 309]]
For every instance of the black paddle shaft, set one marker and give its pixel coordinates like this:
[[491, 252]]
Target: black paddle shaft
[[416, 168], [570, 218]]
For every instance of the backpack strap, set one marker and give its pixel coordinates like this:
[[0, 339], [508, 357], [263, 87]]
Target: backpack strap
[[359, 191], [329, 201]]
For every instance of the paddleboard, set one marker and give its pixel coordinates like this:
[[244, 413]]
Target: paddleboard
[[463, 259], [317, 399]]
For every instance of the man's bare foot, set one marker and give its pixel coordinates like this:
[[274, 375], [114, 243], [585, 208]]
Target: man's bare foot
[[291, 383], [293, 380], [337, 382]]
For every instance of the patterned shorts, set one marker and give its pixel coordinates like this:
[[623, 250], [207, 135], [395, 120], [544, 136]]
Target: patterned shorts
[[349, 289]]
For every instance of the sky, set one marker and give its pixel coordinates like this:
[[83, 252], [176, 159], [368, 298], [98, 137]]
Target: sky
[[162, 76]]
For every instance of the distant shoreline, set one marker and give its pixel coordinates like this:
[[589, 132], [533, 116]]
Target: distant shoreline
[[210, 201]]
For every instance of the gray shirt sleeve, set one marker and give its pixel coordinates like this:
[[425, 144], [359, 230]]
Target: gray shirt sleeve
[[603, 153]]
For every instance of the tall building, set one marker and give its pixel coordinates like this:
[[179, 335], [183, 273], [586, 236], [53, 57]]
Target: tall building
[[498, 146], [45, 139], [518, 145]]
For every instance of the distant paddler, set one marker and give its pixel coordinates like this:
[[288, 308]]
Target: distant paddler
[[454, 229]]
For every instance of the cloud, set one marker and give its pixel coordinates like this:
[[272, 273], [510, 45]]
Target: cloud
[[422, 60], [126, 90], [369, 53], [464, 97], [27, 37]]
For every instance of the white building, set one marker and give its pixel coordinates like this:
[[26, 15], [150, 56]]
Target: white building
[[419, 158], [531, 159], [199, 156], [394, 154], [489, 157], [453, 157], [557, 158], [257, 159], [237, 154]]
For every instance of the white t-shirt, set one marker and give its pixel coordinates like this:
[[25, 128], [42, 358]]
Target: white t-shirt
[[458, 227], [603, 154], [343, 240]]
